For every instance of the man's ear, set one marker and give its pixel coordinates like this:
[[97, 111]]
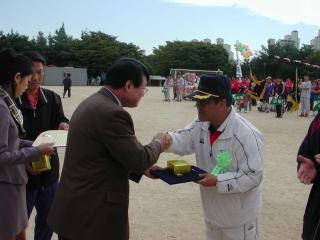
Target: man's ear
[[17, 78], [222, 102], [128, 85]]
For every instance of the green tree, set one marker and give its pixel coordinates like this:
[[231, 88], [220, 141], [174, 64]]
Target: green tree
[[189, 55], [15, 40], [97, 51], [41, 42], [266, 64], [58, 52]]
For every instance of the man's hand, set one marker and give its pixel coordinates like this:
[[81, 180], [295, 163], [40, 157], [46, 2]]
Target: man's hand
[[164, 139], [31, 171], [307, 171], [208, 180], [152, 168], [46, 148], [63, 126]]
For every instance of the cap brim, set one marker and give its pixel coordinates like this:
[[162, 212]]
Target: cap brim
[[198, 95]]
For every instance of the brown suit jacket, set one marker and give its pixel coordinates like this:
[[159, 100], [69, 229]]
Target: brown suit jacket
[[102, 154]]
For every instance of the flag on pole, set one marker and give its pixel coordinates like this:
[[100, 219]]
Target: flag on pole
[[296, 83], [294, 104], [293, 99], [253, 78], [238, 67]]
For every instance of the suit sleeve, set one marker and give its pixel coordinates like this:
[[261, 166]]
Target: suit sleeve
[[8, 157], [249, 174], [125, 148]]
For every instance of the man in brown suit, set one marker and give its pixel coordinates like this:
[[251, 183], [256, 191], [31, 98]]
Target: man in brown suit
[[102, 154]]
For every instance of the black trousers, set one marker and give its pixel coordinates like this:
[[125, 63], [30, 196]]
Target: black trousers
[[279, 110], [65, 91]]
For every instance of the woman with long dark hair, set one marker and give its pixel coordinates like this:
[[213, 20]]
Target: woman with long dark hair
[[15, 72]]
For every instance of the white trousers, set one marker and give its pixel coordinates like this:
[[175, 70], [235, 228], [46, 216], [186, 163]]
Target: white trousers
[[305, 105], [248, 231]]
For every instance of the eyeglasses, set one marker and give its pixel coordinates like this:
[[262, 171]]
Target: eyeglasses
[[145, 90]]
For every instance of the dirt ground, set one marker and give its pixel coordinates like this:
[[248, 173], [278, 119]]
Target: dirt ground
[[159, 211]]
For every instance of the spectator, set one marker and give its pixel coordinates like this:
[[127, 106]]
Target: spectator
[[67, 83], [305, 88]]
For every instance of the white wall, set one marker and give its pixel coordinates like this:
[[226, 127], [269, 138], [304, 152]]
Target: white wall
[[53, 76]]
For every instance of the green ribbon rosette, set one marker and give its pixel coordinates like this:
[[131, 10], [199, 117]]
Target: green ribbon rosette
[[224, 160], [164, 90], [276, 101], [238, 97]]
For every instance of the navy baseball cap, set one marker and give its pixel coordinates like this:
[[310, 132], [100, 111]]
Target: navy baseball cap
[[211, 86]]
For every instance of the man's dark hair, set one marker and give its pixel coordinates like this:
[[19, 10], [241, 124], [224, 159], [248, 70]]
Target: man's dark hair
[[35, 57], [126, 69], [10, 64]]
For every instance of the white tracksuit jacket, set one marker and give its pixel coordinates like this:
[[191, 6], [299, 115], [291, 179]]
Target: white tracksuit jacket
[[237, 197]]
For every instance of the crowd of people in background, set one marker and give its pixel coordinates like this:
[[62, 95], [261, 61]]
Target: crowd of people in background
[[180, 86], [277, 95]]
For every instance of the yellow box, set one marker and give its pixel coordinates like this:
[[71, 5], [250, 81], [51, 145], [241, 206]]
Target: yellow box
[[178, 167], [42, 165]]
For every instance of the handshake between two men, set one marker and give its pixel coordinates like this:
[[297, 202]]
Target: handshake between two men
[[165, 141]]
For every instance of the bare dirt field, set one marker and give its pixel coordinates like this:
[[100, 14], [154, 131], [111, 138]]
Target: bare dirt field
[[159, 211]]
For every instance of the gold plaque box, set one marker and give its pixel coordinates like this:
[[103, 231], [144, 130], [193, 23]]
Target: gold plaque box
[[58, 138], [178, 167], [43, 164]]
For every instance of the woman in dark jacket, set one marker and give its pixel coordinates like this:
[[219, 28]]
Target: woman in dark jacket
[[15, 72], [309, 173]]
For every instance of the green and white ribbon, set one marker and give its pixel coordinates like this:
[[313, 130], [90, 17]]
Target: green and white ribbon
[[224, 160]]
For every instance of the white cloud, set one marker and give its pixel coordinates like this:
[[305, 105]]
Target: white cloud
[[286, 11]]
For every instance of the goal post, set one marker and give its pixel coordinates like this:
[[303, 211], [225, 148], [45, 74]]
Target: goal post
[[175, 71]]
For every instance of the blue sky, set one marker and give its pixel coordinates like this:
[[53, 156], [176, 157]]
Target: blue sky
[[149, 23]]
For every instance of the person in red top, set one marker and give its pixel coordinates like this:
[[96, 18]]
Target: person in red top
[[244, 88], [288, 86], [245, 83], [234, 86]]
